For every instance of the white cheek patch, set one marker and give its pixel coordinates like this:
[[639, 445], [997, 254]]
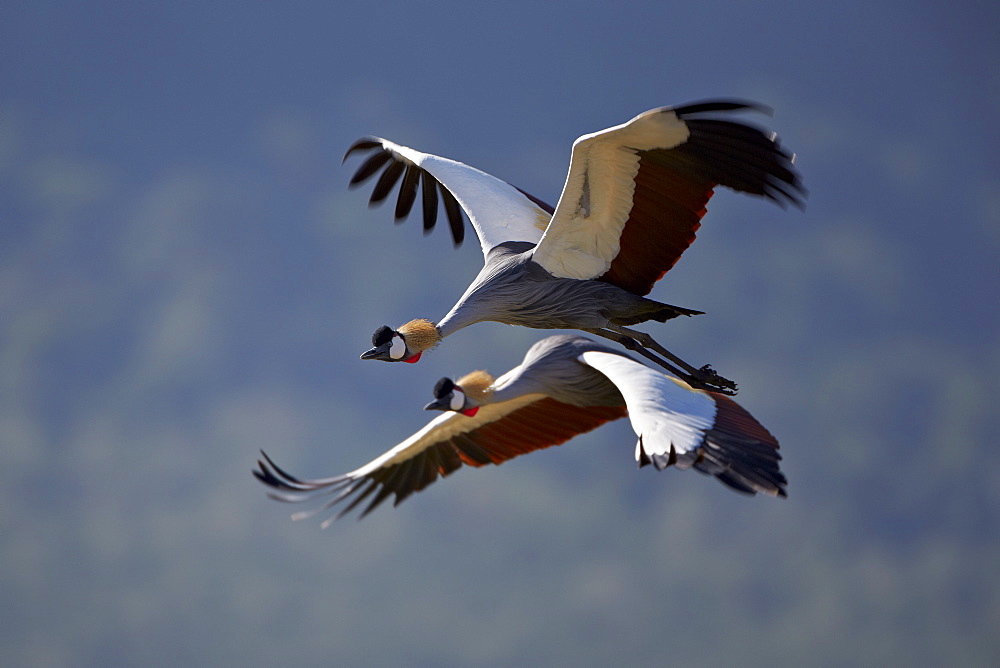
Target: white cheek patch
[[457, 400], [397, 348]]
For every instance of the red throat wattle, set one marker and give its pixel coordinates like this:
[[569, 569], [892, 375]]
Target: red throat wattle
[[469, 412], [414, 359]]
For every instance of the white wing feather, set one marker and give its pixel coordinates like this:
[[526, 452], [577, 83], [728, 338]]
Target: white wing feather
[[442, 428], [583, 237], [665, 412], [498, 211]]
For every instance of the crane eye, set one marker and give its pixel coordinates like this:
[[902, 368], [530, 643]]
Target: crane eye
[[457, 399], [397, 348]]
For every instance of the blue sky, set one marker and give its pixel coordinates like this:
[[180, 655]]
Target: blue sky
[[185, 279]]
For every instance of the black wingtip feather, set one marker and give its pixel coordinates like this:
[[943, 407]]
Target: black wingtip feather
[[369, 168], [407, 192], [744, 158], [429, 201], [363, 144], [369, 488], [386, 182], [706, 106], [453, 211], [288, 477], [394, 167], [265, 475], [744, 464]]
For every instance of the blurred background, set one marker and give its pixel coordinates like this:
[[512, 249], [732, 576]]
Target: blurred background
[[185, 279]]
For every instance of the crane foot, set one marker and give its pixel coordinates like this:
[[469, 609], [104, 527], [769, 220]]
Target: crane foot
[[706, 378]]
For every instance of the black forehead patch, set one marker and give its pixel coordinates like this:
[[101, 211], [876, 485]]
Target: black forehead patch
[[443, 388], [382, 335]]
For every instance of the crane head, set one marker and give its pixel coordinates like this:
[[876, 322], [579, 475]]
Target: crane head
[[450, 397], [389, 346], [405, 344]]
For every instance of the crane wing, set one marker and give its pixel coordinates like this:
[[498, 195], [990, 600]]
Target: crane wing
[[496, 433], [693, 428], [499, 212], [635, 194]]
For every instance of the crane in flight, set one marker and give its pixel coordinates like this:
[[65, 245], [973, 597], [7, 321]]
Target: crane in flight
[[632, 201], [566, 385]]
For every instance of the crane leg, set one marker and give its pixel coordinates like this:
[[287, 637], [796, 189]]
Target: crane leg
[[637, 347], [704, 378]]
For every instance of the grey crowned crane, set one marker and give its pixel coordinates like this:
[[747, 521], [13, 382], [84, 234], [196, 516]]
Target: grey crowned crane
[[633, 199], [566, 385]]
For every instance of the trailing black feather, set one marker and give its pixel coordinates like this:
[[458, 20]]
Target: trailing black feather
[[705, 106], [407, 192], [453, 211], [428, 188], [369, 167], [386, 182]]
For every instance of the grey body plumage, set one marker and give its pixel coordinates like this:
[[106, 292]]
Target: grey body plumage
[[515, 290], [551, 367]]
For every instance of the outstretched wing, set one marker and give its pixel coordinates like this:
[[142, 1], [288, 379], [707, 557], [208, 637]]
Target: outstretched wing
[[693, 428], [496, 433], [635, 194], [499, 212]]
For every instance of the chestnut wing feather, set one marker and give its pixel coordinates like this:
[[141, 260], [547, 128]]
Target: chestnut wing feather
[[536, 425], [672, 189]]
